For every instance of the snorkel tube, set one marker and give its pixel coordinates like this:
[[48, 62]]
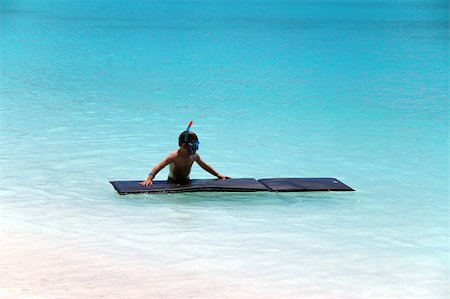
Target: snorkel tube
[[186, 135]]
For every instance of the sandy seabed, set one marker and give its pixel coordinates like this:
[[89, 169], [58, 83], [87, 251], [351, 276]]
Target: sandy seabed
[[33, 266], [38, 266]]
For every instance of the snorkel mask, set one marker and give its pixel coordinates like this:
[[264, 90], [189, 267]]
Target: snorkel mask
[[192, 147]]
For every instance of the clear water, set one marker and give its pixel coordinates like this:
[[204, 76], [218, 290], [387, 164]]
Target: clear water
[[93, 91]]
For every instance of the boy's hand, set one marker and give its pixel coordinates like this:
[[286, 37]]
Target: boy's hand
[[222, 177], [147, 182]]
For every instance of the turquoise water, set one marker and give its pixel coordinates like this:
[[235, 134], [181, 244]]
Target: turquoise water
[[93, 91]]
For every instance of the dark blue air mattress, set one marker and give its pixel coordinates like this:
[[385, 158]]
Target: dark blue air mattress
[[235, 185]]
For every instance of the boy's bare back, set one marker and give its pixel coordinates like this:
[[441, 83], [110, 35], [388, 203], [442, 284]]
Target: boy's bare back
[[180, 165]]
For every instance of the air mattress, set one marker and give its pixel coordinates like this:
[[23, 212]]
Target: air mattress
[[304, 184], [234, 185]]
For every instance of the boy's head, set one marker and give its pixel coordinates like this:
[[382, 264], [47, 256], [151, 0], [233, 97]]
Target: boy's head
[[190, 140], [192, 137]]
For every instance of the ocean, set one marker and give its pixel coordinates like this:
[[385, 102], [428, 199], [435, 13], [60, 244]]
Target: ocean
[[93, 91]]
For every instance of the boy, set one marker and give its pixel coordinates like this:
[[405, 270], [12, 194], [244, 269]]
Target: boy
[[180, 161]]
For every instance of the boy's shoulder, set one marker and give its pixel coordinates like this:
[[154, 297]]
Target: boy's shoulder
[[174, 154]]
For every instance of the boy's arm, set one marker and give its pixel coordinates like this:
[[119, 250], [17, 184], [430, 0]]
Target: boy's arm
[[156, 169], [209, 169]]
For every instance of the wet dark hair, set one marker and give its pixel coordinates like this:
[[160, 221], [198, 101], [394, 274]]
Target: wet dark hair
[[192, 137]]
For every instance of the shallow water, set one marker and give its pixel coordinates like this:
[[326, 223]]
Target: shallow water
[[94, 91]]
